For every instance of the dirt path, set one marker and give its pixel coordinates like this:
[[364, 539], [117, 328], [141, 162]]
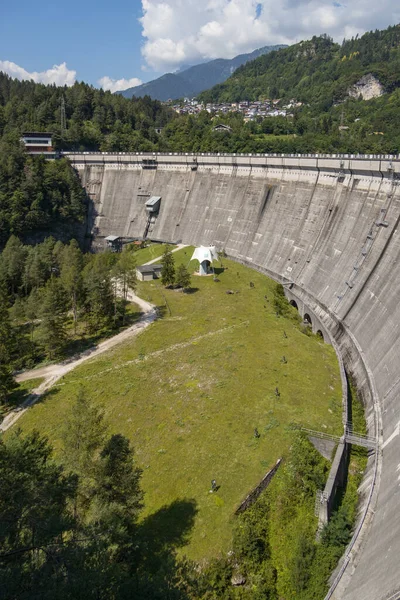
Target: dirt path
[[154, 260], [52, 373]]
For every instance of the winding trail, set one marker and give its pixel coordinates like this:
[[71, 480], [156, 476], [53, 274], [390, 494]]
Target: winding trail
[[52, 373]]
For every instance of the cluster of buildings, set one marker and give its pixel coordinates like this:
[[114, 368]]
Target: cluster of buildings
[[249, 110]]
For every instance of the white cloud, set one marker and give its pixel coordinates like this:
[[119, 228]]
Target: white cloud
[[186, 31], [58, 74], [116, 85]]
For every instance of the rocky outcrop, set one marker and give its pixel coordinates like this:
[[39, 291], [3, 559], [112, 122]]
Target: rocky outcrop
[[367, 87]]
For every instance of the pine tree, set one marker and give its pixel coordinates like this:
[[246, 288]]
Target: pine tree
[[118, 479], [7, 343], [182, 277], [124, 274], [168, 267], [71, 276], [83, 436], [34, 499], [99, 301], [51, 331]]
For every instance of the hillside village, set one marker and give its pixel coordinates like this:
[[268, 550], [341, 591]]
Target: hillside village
[[249, 110]]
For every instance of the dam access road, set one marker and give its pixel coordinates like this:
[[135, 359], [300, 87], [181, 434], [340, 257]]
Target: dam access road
[[328, 227]]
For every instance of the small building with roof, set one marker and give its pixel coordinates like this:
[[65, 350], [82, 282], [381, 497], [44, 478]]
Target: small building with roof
[[148, 272], [37, 142], [114, 243]]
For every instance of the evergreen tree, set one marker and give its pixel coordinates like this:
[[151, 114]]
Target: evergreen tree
[[124, 274], [34, 496], [182, 278], [13, 258], [7, 343], [168, 267], [118, 480], [51, 331], [71, 276], [99, 301], [83, 436]]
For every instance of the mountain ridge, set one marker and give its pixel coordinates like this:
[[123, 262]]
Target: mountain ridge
[[195, 79]]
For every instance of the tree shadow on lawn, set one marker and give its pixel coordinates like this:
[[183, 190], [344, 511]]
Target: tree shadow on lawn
[[15, 400], [87, 342], [163, 532]]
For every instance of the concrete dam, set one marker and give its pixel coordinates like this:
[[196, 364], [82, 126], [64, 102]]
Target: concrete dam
[[328, 227]]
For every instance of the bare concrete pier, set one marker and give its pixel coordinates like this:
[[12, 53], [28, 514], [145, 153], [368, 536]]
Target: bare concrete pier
[[328, 226]]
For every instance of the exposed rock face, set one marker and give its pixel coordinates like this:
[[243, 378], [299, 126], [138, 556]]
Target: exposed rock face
[[367, 87]]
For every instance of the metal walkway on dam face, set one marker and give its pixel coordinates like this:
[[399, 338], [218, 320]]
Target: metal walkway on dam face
[[326, 224]]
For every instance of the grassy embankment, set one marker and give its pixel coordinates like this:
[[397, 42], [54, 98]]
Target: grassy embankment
[[190, 390]]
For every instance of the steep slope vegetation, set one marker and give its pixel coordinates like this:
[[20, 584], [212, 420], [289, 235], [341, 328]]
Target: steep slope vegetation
[[317, 72], [94, 118]]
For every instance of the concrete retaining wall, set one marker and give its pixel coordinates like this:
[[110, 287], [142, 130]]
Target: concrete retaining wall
[[329, 226], [264, 483], [336, 479]]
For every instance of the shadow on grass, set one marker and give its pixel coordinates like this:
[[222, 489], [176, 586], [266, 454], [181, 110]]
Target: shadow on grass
[[87, 342], [191, 290], [162, 311], [47, 395], [164, 531], [218, 270], [17, 397]]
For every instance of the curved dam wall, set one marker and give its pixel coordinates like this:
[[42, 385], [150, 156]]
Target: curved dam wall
[[328, 227]]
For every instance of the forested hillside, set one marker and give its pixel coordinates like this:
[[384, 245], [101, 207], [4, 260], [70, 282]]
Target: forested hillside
[[94, 118], [317, 72], [36, 194]]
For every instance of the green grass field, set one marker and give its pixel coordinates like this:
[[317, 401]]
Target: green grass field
[[190, 390], [150, 253]]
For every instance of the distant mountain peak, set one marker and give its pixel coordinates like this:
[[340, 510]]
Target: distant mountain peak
[[189, 81]]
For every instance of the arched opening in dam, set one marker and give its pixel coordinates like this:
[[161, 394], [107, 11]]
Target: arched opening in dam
[[294, 304], [325, 215], [307, 319]]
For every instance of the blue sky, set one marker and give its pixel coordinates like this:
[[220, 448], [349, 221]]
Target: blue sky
[[116, 44], [88, 35]]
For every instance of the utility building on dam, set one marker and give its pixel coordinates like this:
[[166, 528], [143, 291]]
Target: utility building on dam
[[328, 226]]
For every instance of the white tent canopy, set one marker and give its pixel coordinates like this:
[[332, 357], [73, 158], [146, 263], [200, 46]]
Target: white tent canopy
[[205, 253]]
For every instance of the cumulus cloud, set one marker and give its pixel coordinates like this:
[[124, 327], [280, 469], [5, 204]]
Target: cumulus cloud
[[58, 74], [116, 85], [178, 32]]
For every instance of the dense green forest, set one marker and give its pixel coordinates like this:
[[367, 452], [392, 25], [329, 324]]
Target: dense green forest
[[94, 118], [36, 194], [56, 301], [317, 72]]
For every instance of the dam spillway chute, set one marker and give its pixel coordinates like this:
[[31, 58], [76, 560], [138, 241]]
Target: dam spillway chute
[[152, 209]]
